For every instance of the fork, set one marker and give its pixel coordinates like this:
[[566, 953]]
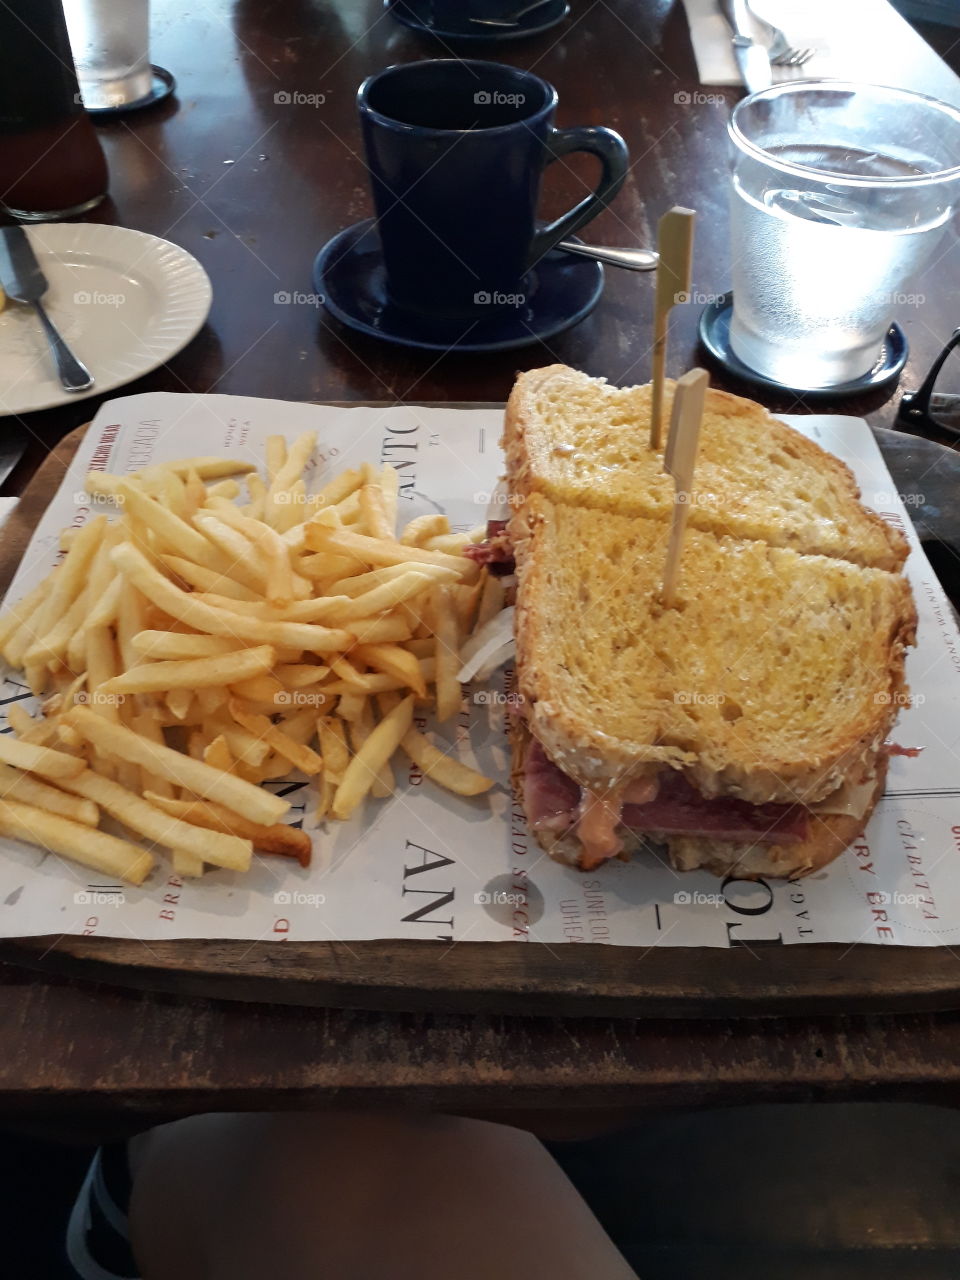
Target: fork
[[780, 51]]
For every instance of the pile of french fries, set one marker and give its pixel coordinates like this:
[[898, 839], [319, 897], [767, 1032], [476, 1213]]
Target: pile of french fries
[[219, 632]]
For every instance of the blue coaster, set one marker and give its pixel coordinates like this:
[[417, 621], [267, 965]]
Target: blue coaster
[[417, 14], [714, 331], [349, 274]]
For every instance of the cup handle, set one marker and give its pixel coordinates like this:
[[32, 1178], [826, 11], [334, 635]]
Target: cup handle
[[612, 152]]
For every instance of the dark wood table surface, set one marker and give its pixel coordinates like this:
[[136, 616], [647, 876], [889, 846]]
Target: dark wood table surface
[[253, 187]]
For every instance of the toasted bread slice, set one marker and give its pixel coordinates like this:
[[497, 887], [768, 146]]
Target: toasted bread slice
[[577, 440], [776, 677]]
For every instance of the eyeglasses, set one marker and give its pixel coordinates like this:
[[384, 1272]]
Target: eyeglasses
[[929, 411]]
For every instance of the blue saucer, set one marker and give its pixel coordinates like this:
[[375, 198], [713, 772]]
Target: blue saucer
[[714, 331], [349, 275], [418, 14]]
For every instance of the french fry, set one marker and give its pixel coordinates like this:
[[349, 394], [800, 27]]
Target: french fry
[[234, 555], [51, 649], [421, 528], [204, 579], [173, 534], [209, 701], [121, 742], [67, 583], [352, 701], [205, 469], [194, 494], [393, 660], [436, 764], [452, 543], [207, 627], [387, 629], [376, 551], [384, 597], [262, 688], [372, 514], [181, 645], [186, 864], [104, 853], [180, 702], [193, 673], [20, 613], [275, 449], [138, 815], [218, 755], [300, 675], [491, 600], [384, 784], [333, 745], [291, 469], [20, 720], [299, 755], [280, 838], [390, 491], [140, 573], [328, 566], [148, 727], [444, 621], [340, 487], [106, 607], [15, 785], [228, 489], [45, 761], [362, 582], [372, 756]]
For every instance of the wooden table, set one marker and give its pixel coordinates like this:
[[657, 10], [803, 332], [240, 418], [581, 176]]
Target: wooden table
[[253, 187]]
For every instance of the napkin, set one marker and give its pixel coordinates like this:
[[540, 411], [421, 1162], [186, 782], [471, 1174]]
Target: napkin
[[6, 506], [863, 40]]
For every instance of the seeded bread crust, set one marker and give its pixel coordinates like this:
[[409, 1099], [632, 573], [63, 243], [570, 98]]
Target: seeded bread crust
[[577, 440]]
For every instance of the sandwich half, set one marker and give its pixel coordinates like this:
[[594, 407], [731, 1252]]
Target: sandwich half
[[742, 731], [576, 439]]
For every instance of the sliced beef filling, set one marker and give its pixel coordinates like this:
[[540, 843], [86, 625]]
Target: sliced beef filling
[[554, 802], [496, 551]]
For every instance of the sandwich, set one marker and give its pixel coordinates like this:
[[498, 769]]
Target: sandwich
[[743, 731]]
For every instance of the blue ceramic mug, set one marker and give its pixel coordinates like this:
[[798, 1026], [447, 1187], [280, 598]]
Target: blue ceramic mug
[[456, 150]]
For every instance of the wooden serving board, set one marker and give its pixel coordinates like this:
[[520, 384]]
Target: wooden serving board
[[534, 979]]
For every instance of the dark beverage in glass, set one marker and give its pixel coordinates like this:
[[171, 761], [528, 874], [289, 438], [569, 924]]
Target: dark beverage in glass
[[51, 161]]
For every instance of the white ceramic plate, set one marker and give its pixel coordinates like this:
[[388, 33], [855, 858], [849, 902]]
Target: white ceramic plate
[[125, 302]]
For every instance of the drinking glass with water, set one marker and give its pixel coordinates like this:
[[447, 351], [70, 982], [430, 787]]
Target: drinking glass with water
[[841, 195]]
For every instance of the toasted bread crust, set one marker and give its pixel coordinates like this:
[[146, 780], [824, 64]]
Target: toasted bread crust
[[741, 505]]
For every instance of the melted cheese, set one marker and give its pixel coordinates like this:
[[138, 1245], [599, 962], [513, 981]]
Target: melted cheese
[[849, 801]]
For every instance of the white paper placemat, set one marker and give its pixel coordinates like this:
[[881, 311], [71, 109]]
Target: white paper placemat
[[426, 864]]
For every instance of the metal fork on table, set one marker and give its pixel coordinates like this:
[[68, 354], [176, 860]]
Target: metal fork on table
[[779, 49]]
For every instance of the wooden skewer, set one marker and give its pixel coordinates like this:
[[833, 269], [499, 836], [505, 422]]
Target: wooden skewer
[[675, 246], [679, 459]]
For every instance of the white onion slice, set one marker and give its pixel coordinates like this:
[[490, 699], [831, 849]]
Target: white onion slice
[[506, 651], [493, 636]]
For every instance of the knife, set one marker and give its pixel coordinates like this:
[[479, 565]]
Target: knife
[[23, 281], [751, 57]]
